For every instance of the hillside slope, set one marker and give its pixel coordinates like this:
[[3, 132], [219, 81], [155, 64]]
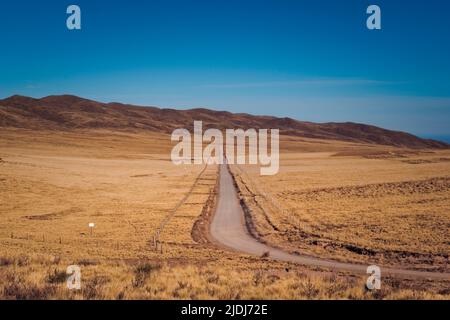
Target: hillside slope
[[69, 112]]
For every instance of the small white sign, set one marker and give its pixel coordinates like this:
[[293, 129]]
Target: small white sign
[[91, 225]]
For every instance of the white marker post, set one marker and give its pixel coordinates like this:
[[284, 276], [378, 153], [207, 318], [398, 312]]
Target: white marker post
[[91, 227]]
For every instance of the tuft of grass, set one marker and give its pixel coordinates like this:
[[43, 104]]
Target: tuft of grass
[[56, 277], [309, 289], [22, 261], [5, 261], [142, 272], [257, 278], [93, 289], [18, 288]]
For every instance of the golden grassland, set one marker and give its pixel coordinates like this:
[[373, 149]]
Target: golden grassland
[[379, 205], [44, 277], [53, 184], [48, 198]]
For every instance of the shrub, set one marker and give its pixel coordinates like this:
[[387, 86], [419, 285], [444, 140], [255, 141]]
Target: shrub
[[142, 272]]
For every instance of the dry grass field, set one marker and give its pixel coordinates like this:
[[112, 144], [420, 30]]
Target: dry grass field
[[54, 183], [366, 203]]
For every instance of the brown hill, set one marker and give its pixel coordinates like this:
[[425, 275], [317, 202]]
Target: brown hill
[[69, 112]]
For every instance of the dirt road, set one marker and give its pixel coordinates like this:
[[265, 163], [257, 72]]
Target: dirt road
[[229, 230]]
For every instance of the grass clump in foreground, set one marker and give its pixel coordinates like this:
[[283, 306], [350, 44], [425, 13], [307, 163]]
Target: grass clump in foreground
[[43, 278]]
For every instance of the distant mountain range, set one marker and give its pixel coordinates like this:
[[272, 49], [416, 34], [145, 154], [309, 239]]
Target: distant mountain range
[[71, 112]]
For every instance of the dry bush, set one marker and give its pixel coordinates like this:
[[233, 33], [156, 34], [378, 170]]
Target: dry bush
[[56, 276], [142, 272]]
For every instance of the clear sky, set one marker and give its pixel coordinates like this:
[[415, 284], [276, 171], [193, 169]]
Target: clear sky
[[311, 60]]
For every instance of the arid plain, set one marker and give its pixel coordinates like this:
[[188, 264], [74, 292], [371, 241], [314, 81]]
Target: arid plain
[[54, 184], [348, 201]]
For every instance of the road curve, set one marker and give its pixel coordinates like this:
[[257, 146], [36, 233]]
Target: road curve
[[228, 229]]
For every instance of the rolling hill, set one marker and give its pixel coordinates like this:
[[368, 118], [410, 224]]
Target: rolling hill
[[70, 112]]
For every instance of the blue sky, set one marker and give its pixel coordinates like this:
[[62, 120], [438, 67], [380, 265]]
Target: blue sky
[[310, 60]]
